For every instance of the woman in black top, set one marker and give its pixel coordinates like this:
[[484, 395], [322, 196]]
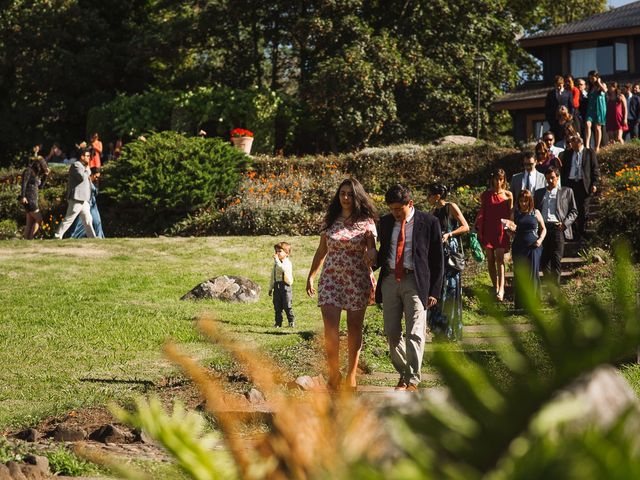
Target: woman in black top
[[445, 318], [33, 178]]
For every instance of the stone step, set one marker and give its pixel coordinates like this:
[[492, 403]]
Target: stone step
[[564, 274], [493, 328]]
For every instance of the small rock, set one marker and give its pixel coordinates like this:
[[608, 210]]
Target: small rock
[[255, 396], [307, 383], [146, 438], [5, 474], [31, 472], [28, 435], [39, 461], [597, 259], [15, 471], [63, 433], [110, 434], [229, 288]]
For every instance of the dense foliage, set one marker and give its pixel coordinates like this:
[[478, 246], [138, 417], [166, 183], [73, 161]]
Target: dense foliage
[[316, 76], [167, 175]]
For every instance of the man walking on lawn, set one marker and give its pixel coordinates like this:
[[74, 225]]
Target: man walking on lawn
[[78, 196], [412, 266]]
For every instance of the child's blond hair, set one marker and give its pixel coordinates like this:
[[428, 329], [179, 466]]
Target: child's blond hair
[[286, 247]]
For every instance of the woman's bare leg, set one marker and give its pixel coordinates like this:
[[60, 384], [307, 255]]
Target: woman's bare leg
[[355, 320], [331, 320], [587, 134], [499, 254], [37, 221], [598, 137], [491, 266], [27, 227]]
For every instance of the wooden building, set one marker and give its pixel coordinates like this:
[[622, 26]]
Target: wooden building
[[607, 42]]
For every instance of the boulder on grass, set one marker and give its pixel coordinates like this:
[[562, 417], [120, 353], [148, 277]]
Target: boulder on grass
[[455, 140], [229, 288]]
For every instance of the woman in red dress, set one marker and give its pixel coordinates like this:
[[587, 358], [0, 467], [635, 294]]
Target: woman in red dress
[[348, 250], [495, 209], [616, 114]]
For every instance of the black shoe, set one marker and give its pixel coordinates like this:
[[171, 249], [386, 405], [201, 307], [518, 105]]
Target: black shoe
[[292, 324], [277, 326]]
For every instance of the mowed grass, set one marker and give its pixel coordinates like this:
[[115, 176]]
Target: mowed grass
[[83, 322]]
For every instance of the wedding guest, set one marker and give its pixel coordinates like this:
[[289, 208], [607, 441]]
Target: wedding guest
[[495, 206], [549, 138], [616, 120], [555, 98], [569, 84], [625, 91], [77, 228], [346, 252], [33, 179], [557, 206], [445, 317], [584, 103], [580, 172], [530, 232], [280, 282], [96, 157], [78, 196], [529, 179], [568, 125], [411, 265], [596, 110], [634, 111]]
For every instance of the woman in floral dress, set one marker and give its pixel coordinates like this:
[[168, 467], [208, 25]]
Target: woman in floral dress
[[347, 249]]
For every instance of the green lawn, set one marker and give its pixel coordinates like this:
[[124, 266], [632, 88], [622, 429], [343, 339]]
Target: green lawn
[[82, 322], [78, 311]]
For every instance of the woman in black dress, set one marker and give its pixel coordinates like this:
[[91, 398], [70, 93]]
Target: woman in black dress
[[527, 245], [33, 178]]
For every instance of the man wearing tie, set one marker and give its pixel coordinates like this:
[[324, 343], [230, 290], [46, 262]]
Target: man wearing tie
[[556, 98], [557, 206], [412, 267], [529, 179], [581, 173]]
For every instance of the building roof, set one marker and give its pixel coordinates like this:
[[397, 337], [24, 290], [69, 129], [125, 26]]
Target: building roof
[[613, 22], [525, 98]]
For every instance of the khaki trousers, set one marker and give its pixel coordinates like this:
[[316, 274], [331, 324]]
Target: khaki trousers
[[406, 350]]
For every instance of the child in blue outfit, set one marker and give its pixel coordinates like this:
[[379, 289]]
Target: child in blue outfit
[[280, 284]]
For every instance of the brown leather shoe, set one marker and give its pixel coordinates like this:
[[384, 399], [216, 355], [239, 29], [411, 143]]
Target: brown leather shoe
[[401, 385], [412, 388]]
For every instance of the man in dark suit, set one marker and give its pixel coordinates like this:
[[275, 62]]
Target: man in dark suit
[[78, 196], [556, 98], [557, 206], [581, 173], [412, 267]]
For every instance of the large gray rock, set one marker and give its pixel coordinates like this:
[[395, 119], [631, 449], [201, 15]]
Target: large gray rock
[[228, 288], [455, 140]]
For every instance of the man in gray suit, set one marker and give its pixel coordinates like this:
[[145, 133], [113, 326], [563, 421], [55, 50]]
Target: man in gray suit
[[558, 208], [78, 196], [529, 179]]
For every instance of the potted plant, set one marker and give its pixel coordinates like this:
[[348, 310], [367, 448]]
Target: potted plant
[[242, 139]]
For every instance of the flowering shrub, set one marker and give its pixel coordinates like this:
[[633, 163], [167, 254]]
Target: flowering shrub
[[8, 229], [241, 132], [628, 178]]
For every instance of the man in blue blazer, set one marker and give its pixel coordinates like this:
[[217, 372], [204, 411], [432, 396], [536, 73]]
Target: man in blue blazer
[[412, 267], [78, 196]]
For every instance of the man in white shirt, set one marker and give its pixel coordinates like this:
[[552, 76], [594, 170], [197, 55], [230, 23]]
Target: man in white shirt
[[549, 139], [529, 179], [557, 206]]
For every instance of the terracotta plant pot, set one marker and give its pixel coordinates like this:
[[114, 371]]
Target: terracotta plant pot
[[243, 143]]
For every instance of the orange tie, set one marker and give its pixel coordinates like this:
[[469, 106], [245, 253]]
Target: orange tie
[[400, 253]]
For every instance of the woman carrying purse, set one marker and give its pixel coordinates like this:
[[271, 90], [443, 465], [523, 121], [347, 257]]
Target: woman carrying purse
[[445, 318]]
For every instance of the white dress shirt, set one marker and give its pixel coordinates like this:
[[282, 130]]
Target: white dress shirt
[[576, 165], [407, 255], [550, 206]]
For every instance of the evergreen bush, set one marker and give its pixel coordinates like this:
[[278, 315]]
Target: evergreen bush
[[168, 175]]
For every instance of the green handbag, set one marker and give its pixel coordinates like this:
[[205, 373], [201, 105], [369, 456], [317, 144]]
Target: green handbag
[[476, 249]]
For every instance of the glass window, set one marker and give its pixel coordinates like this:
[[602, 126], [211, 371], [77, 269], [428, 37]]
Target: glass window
[[606, 58], [621, 56]]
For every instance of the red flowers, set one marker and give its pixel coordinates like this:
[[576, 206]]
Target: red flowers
[[241, 132]]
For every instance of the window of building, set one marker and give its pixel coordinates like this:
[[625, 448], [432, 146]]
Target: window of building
[[607, 57]]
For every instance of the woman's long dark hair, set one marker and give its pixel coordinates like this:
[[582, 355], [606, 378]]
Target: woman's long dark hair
[[363, 207]]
